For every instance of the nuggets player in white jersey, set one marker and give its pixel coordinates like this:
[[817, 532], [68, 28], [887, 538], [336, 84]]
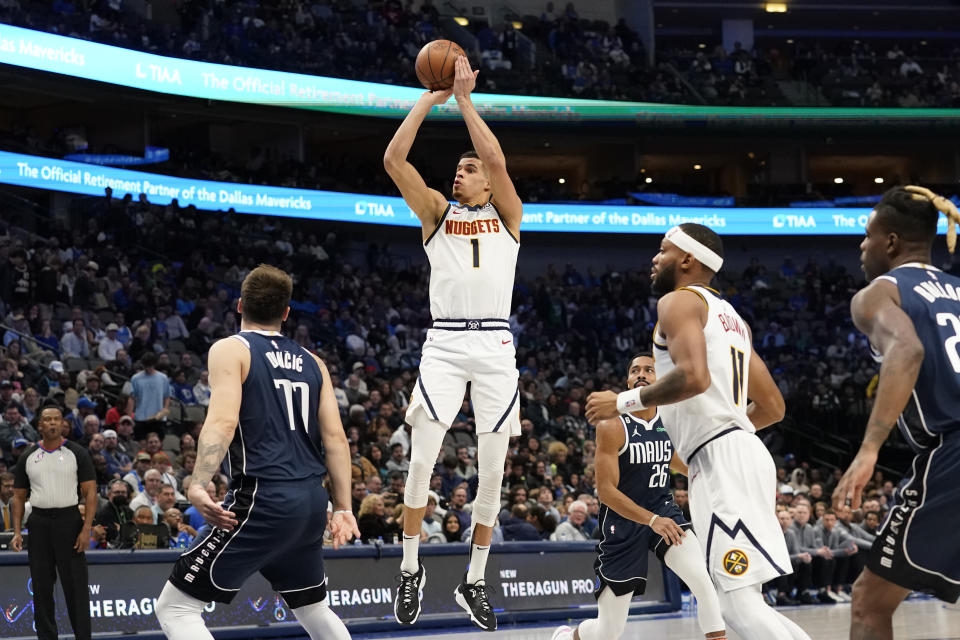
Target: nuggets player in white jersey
[[472, 246], [714, 392]]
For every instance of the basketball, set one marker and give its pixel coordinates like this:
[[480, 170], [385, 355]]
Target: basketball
[[435, 64]]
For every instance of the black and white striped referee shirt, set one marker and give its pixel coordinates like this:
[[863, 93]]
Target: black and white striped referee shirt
[[53, 477]]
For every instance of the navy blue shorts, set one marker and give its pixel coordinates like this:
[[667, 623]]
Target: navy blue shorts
[[915, 547], [624, 549], [280, 534]]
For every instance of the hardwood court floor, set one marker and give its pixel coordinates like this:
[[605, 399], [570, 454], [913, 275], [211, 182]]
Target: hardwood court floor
[[915, 620]]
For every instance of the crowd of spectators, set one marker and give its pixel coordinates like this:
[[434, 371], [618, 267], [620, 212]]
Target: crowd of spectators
[[378, 40], [120, 335]]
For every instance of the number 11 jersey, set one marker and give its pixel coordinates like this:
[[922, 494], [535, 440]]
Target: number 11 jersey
[[473, 260], [278, 435], [694, 421]]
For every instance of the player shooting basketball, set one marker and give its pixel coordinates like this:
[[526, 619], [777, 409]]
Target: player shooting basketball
[[472, 247]]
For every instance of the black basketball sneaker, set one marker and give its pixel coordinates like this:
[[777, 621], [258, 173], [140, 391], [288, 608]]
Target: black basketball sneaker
[[406, 606], [474, 599]]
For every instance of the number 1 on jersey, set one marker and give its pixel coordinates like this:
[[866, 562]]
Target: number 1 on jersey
[[736, 357], [476, 252], [288, 387]]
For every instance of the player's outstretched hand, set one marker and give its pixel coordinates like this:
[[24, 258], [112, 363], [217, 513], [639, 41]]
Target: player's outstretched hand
[[343, 526], [433, 98], [465, 80], [601, 405], [669, 530], [214, 514], [849, 490]]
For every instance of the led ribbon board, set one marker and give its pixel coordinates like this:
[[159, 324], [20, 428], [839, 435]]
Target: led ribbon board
[[87, 179], [104, 63]]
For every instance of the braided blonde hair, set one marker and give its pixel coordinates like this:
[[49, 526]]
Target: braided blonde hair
[[944, 206]]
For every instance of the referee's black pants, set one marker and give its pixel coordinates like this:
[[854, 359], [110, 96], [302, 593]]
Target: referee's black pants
[[53, 532]]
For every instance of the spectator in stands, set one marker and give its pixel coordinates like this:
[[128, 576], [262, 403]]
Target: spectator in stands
[[6, 501], [30, 404], [572, 527], [118, 463], [431, 530], [152, 484], [116, 512], [397, 461], [372, 523], [108, 347], [151, 393], [450, 478], [182, 389], [458, 500], [123, 405], [14, 426], [181, 533], [161, 462], [518, 524], [77, 418], [74, 343], [7, 398], [801, 578], [125, 441], [201, 390], [92, 391], [842, 546], [810, 541], [545, 499], [47, 336], [136, 478], [453, 528]]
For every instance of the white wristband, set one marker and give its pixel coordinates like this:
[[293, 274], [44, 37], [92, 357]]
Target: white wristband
[[629, 401], [652, 519], [342, 511]]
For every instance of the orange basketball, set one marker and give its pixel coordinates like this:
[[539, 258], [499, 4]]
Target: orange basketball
[[435, 64]]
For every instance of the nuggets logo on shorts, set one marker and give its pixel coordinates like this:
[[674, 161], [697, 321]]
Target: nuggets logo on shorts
[[735, 562]]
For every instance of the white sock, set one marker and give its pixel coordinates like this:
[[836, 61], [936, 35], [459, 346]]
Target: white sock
[[411, 550], [321, 622], [478, 563], [179, 615]]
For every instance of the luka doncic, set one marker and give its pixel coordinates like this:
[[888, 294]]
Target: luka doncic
[[274, 417]]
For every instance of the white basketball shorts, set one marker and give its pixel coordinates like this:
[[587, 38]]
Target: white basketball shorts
[[451, 359], [733, 494]]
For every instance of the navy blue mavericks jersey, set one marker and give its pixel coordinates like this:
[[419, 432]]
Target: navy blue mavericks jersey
[[932, 300], [278, 436], [645, 462]]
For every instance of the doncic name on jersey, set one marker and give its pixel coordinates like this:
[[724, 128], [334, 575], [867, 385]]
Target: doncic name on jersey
[[284, 359]]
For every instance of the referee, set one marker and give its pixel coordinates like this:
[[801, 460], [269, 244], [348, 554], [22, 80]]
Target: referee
[[51, 471]]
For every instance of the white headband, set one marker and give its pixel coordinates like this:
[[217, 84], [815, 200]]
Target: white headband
[[706, 256]]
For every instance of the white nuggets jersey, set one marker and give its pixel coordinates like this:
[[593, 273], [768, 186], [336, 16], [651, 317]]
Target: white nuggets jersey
[[473, 260], [692, 422]]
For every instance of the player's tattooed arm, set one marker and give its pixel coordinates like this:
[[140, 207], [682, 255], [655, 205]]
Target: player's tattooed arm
[[228, 361], [209, 456]]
